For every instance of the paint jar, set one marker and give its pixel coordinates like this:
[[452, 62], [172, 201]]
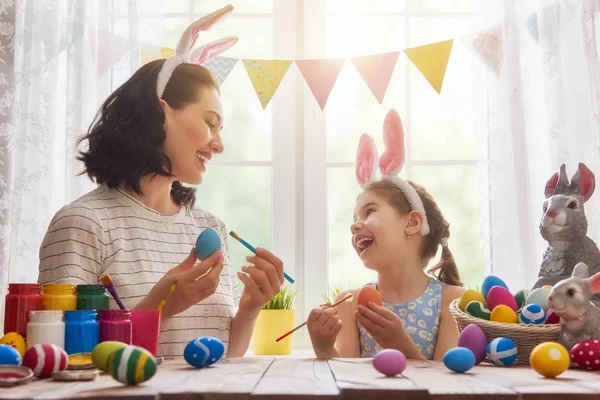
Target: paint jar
[[21, 298], [82, 331], [59, 296], [115, 325], [92, 297], [46, 327]]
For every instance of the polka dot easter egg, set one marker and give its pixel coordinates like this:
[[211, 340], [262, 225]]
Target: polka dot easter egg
[[539, 296], [499, 295], [367, 294], [10, 356], [15, 340], [459, 359], [207, 243], [489, 282], [586, 354], [473, 338], [468, 296], [389, 362], [478, 310], [502, 352], [504, 314], [532, 314], [44, 359], [131, 365], [552, 317], [203, 351], [549, 359]]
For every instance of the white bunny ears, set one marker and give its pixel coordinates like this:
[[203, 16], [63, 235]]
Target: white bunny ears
[[184, 52], [390, 162]]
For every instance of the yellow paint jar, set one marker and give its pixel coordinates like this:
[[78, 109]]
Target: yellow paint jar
[[59, 296]]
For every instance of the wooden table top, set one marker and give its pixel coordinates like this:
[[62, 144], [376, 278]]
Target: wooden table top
[[309, 378]]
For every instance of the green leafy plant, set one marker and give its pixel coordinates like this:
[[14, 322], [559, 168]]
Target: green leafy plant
[[284, 300], [329, 297]]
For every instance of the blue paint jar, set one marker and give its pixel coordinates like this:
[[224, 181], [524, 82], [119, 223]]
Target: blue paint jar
[[81, 331]]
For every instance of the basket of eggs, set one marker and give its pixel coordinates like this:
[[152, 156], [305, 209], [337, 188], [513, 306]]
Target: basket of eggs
[[522, 317]]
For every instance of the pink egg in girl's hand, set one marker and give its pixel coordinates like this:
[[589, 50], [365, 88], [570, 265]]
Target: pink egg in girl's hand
[[389, 362]]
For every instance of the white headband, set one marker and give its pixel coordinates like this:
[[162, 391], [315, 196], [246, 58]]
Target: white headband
[[184, 52]]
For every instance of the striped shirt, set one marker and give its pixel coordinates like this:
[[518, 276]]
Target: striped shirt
[[106, 231]]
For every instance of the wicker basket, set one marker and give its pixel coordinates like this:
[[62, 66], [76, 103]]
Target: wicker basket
[[526, 337]]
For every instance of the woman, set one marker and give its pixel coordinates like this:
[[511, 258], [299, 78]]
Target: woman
[[159, 129]]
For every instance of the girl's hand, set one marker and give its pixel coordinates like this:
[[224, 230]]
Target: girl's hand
[[323, 325], [382, 324], [262, 281]]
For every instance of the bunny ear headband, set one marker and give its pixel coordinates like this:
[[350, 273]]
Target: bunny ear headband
[[390, 162], [184, 52]]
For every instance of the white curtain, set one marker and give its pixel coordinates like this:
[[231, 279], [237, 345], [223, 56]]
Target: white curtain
[[543, 110]]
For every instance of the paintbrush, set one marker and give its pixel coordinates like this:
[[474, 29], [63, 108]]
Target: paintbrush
[[164, 300], [252, 249], [109, 285], [346, 297]]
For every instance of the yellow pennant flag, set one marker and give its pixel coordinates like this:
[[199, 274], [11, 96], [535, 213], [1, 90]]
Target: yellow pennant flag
[[166, 52], [432, 60], [266, 75]]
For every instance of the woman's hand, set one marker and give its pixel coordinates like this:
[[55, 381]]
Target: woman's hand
[[262, 281], [323, 325]]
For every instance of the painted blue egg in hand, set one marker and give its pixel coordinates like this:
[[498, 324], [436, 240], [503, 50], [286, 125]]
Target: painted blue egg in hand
[[207, 243], [203, 351], [10, 356]]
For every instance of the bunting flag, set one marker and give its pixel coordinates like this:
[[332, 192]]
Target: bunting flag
[[487, 46], [320, 76], [532, 26], [376, 70], [166, 52], [221, 67], [149, 52], [266, 75], [76, 34], [111, 48], [432, 60]]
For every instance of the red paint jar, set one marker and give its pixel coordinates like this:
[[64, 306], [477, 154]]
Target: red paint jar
[[115, 325], [21, 298]]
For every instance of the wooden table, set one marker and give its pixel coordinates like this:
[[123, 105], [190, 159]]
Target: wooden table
[[308, 378]]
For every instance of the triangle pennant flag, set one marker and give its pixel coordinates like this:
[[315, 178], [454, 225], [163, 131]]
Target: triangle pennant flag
[[487, 46], [320, 76], [376, 70], [149, 52], [532, 26], [111, 48], [431, 60], [166, 52], [221, 67], [266, 75]]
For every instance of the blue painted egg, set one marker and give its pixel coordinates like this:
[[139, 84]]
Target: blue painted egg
[[203, 351], [532, 314], [459, 359], [207, 243], [10, 356], [489, 282], [502, 352]]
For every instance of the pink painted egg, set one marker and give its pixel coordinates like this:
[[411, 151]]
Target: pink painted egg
[[499, 295], [389, 362], [552, 317], [586, 354], [473, 338], [44, 359]]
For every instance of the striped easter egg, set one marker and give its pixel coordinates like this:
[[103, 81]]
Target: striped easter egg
[[502, 352], [44, 359], [532, 314], [131, 365]]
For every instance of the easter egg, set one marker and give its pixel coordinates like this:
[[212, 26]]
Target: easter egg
[[101, 352], [473, 338], [539, 296], [520, 298], [552, 317], [499, 295], [131, 365], [389, 362], [459, 359], [478, 310], [367, 294], [586, 354], [504, 314], [549, 359], [502, 352], [489, 282], [207, 243], [44, 359], [532, 314], [203, 351], [10, 356], [468, 296], [15, 340]]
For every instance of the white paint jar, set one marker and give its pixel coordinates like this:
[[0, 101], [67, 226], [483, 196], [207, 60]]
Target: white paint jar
[[46, 326]]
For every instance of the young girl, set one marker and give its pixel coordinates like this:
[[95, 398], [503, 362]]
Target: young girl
[[157, 131], [397, 229]]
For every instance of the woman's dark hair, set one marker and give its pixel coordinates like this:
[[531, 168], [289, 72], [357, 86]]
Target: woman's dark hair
[[125, 140]]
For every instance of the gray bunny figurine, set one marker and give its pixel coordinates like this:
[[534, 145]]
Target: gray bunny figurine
[[564, 226], [571, 301]]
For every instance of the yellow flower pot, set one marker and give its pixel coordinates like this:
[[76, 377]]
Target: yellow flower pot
[[270, 325]]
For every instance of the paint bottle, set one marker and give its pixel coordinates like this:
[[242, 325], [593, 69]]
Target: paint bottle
[[59, 296], [115, 325], [81, 331], [21, 298], [92, 297], [46, 326]]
